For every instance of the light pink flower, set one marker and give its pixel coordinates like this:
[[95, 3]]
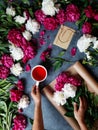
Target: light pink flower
[[4, 72], [87, 28], [89, 12], [20, 122], [40, 16], [7, 60], [15, 95], [61, 17], [50, 23], [20, 85], [72, 13]]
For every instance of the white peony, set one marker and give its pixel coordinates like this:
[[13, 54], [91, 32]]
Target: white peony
[[32, 26], [88, 55], [69, 90], [24, 102], [84, 42], [27, 35], [16, 69], [59, 98], [19, 19], [48, 7], [16, 52], [10, 11], [95, 44]]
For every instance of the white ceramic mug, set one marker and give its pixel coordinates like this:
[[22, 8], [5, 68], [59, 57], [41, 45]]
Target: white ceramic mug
[[38, 73]]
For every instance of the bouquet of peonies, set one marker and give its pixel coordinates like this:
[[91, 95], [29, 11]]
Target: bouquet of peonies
[[68, 89], [88, 44]]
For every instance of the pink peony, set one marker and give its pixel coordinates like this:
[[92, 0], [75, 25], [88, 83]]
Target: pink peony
[[28, 67], [89, 12], [29, 53], [72, 13], [63, 77], [50, 23], [59, 86], [20, 122], [45, 54], [75, 80], [42, 41], [87, 28], [73, 51], [20, 85], [96, 16], [4, 72], [40, 16], [15, 37], [27, 14], [61, 17], [15, 95], [7, 61]]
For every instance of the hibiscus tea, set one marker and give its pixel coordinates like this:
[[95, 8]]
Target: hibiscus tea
[[39, 73]]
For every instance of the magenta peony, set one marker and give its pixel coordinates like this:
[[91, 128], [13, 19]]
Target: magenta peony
[[29, 53], [75, 80], [61, 17], [15, 95], [15, 37], [72, 13], [50, 23], [40, 16], [89, 12], [28, 67], [87, 28], [7, 61], [45, 54], [27, 14], [96, 16], [20, 85], [20, 122], [73, 51], [4, 72]]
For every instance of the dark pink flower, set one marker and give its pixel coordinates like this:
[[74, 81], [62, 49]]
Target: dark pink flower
[[96, 16], [27, 14], [15, 37], [40, 16], [75, 80], [50, 23], [7, 60], [20, 110], [20, 122], [72, 13], [42, 41], [15, 95], [28, 67], [89, 12], [73, 51], [59, 86], [42, 33], [61, 17], [20, 85], [87, 28], [4, 72], [45, 54], [29, 53]]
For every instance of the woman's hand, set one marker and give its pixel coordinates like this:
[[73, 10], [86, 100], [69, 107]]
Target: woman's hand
[[36, 95], [79, 113]]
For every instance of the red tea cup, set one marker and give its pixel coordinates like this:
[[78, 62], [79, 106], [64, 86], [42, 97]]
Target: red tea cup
[[38, 73]]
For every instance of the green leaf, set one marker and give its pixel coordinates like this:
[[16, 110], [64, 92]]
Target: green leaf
[[69, 114], [31, 121]]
